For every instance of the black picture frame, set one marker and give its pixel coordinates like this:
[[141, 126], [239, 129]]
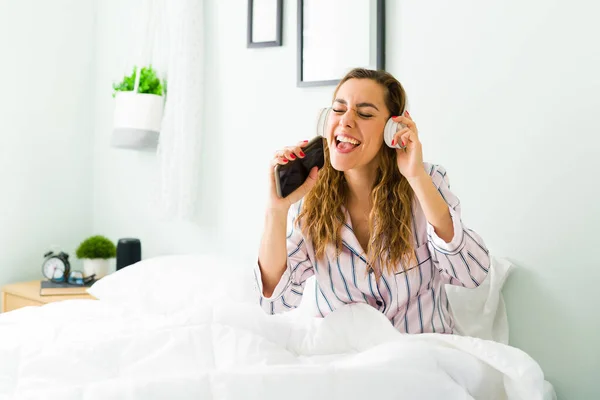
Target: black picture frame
[[278, 26], [380, 45]]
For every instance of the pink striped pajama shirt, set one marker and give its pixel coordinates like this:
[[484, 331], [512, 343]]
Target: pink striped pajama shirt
[[414, 302]]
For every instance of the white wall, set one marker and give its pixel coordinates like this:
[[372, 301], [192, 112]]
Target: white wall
[[46, 127], [506, 94], [503, 93]]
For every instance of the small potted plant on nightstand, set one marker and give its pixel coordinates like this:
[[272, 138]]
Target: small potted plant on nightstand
[[95, 252]]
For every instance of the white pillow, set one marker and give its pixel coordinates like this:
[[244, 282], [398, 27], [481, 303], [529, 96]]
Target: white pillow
[[480, 312], [167, 284]]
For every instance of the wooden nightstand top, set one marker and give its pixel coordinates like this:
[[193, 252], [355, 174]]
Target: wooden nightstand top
[[31, 291]]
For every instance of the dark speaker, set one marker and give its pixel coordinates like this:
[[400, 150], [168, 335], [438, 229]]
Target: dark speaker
[[129, 251]]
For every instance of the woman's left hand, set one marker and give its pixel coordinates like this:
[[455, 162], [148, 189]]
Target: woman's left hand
[[410, 159]]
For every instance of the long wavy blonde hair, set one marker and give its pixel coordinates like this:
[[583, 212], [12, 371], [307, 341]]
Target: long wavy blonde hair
[[390, 230]]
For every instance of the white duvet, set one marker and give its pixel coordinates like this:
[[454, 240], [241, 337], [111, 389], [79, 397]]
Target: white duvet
[[85, 349]]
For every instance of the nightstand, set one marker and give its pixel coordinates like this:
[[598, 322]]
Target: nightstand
[[23, 294]]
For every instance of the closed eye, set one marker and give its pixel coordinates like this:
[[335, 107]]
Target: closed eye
[[359, 114]]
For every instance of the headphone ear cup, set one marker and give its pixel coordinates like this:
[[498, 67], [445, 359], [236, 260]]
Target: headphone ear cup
[[391, 127], [322, 120]]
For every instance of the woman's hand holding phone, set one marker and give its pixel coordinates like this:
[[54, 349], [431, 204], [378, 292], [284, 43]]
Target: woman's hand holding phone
[[282, 157]]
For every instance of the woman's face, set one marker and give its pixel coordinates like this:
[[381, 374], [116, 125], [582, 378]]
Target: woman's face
[[356, 124]]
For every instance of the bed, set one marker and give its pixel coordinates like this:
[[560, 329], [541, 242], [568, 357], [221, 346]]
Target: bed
[[208, 339]]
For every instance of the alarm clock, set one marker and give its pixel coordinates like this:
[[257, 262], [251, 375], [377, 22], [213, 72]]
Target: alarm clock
[[56, 267]]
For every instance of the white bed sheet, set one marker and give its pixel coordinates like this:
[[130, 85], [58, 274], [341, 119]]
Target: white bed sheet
[[84, 349]]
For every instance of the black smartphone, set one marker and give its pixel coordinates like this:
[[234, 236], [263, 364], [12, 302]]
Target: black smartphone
[[292, 175]]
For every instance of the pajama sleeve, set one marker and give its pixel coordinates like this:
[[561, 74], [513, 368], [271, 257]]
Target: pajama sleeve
[[288, 292], [465, 260]]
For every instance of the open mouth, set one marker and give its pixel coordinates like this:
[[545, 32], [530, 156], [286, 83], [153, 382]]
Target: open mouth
[[345, 143]]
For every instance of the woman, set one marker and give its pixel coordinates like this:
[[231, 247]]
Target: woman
[[375, 225]]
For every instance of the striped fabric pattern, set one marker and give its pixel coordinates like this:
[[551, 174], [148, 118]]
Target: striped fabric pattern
[[414, 302]]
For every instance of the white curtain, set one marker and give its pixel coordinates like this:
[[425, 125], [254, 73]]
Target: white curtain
[[179, 142]]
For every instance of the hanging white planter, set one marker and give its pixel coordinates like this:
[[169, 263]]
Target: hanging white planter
[[137, 120]]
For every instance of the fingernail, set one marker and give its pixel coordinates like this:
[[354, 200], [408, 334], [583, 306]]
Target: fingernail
[[402, 144], [393, 142], [285, 160], [395, 116], [306, 141], [301, 154], [407, 112], [292, 156]]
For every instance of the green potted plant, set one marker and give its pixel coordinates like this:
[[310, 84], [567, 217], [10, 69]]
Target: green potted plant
[[95, 252], [139, 104]]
